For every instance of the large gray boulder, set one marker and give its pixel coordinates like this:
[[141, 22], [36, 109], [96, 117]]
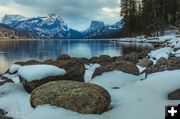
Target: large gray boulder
[[76, 96], [123, 66]]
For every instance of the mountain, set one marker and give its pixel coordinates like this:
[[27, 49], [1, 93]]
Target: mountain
[[75, 34], [98, 29], [51, 26], [12, 19], [10, 33]]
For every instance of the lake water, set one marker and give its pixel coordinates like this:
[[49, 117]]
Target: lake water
[[23, 50]]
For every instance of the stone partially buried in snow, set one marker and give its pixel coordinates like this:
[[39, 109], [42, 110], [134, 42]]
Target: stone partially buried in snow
[[14, 68], [104, 60], [3, 115], [175, 95], [131, 57], [162, 64], [123, 66], [76, 96], [32, 76], [145, 62]]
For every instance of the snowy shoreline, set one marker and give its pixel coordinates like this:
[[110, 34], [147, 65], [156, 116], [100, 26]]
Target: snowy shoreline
[[145, 97]]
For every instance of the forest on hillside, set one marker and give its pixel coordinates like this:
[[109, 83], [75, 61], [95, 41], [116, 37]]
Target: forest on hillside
[[148, 17]]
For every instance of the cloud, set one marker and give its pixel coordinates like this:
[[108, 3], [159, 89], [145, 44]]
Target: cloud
[[76, 13]]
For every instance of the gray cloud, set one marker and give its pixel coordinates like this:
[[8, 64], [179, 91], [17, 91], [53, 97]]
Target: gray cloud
[[76, 13]]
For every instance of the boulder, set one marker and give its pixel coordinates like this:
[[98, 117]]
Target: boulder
[[84, 60], [118, 59], [104, 60], [75, 70], [64, 57], [173, 63], [93, 60], [131, 57], [30, 62], [162, 64], [123, 66], [76, 96], [145, 62], [175, 95], [143, 54]]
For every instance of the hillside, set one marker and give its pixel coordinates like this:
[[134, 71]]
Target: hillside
[[7, 32]]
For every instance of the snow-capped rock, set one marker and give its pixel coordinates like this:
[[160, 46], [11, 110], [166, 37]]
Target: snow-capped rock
[[98, 29], [12, 19], [51, 26]]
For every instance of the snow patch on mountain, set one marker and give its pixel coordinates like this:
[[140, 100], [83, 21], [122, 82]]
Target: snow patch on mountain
[[51, 26]]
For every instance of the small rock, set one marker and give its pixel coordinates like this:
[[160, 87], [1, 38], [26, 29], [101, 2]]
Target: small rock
[[131, 57], [93, 60], [76, 96], [104, 60], [2, 115], [4, 80], [64, 57], [161, 65], [143, 54], [175, 95], [145, 62]]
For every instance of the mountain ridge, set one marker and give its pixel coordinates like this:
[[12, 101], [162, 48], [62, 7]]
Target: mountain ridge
[[53, 26]]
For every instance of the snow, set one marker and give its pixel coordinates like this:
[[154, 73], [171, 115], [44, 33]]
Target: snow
[[14, 99], [136, 100], [141, 69], [14, 77], [14, 68], [115, 79], [132, 98], [89, 71], [162, 52], [37, 72], [177, 53]]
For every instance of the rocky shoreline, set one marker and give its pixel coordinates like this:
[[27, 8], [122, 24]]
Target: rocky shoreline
[[41, 93]]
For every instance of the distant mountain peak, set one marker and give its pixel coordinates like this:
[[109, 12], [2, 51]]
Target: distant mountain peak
[[8, 19], [97, 24], [49, 26]]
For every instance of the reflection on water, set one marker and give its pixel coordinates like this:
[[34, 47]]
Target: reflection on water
[[22, 50]]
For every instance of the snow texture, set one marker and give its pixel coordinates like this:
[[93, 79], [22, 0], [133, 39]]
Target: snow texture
[[37, 72]]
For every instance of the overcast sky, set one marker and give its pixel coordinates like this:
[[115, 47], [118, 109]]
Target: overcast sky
[[76, 13]]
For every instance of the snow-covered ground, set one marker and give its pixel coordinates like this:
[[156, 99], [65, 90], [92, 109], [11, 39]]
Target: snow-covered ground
[[160, 39], [132, 98], [171, 47]]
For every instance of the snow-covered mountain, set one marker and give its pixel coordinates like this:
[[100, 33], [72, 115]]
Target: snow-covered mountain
[[98, 29], [51, 26]]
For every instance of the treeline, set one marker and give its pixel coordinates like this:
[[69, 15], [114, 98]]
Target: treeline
[[148, 17]]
